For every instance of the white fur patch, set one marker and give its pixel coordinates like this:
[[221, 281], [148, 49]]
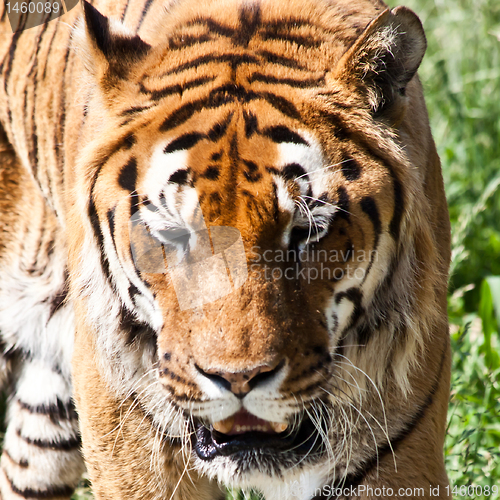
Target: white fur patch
[[310, 157], [25, 310], [162, 166], [312, 184], [39, 384]]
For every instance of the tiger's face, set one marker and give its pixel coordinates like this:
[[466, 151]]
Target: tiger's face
[[257, 189]]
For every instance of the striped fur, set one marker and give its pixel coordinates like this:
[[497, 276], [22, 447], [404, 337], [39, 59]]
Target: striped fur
[[295, 129]]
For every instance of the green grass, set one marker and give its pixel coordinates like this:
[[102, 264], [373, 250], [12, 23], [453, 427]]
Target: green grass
[[461, 76]]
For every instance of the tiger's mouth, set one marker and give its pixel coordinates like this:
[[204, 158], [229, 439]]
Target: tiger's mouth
[[244, 432]]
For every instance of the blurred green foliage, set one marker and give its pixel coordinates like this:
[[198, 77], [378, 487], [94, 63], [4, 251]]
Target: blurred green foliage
[[461, 77]]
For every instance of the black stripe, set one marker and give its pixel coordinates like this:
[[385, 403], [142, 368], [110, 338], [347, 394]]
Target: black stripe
[[334, 317], [399, 203], [60, 298], [351, 169], [320, 202], [273, 58], [291, 82], [185, 141], [98, 29], [248, 194], [129, 141], [282, 134], [232, 190], [383, 290], [41, 236], [253, 205], [128, 175], [225, 95], [134, 329], [363, 334], [33, 150], [369, 206], [399, 206], [61, 120], [252, 173], [62, 445], [273, 171], [96, 227], [251, 124], [394, 226], [219, 129], [288, 37], [282, 104], [184, 41], [53, 492], [134, 110], [47, 56], [230, 93], [338, 126], [110, 216], [155, 95], [55, 411], [276, 208], [299, 234], [293, 170], [179, 177], [21, 24], [215, 198], [343, 204], [181, 115], [355, 296], [124, 13], [249, 17], [211, 173], [133, 291], [8, 60], [144, 13], [213, 26], [134, 203], [234, 59]]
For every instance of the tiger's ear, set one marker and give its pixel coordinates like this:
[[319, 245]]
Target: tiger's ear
[[384, 59], [110, 44]]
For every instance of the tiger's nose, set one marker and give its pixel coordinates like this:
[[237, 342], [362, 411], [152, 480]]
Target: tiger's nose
[[242, 382]]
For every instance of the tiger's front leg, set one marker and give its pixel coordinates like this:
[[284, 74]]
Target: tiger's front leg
[[126, 455], [41, 455]]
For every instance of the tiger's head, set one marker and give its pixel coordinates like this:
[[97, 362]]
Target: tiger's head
[[265, 249]]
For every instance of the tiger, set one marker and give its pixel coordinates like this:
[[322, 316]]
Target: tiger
[[224, 252]]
